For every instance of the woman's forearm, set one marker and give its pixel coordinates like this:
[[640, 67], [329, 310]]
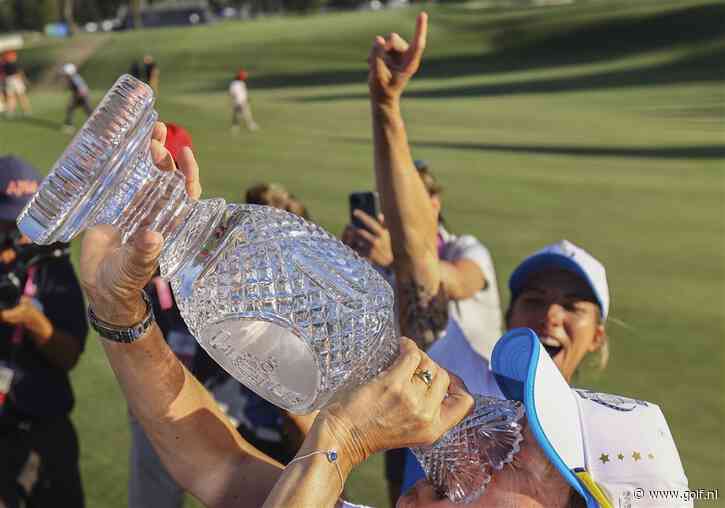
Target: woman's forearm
[[313, 480], [193, 438]]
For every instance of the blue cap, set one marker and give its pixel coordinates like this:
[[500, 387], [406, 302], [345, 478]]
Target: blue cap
[[566, 256], [18, 183]]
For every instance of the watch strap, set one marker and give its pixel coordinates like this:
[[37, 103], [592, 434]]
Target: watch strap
[[123, 334]]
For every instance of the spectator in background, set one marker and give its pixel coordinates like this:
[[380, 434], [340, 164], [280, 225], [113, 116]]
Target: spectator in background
[[79, 95], [151, 73], [15, 85], [274, 194], [468, 277], [135, 70], [3, 97], [42, 334], [268, 194], [240, 102], [296, 207]]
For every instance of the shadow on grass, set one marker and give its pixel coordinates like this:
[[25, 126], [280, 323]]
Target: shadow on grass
[[38, 122], [518, 47], [698, 152], [692, 152], [700, 67]]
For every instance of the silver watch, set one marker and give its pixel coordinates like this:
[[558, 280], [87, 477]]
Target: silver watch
[[121, 333]]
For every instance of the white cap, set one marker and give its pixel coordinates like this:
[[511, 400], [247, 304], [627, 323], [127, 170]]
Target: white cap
[[567, 256], [69, 69], [614, 451]]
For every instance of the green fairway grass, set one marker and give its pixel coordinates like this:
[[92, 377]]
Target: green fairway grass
[[602, 122]]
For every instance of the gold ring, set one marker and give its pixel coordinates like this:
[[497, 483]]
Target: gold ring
[[425, 376]]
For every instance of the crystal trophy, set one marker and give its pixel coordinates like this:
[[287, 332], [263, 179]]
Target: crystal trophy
[[279, 303]]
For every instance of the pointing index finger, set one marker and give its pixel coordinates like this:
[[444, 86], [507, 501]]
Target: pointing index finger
[[420, 37]]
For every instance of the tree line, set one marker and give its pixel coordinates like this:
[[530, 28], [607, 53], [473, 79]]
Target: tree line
[[35, 14]]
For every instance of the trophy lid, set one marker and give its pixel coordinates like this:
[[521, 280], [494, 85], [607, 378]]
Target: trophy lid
[[70, 195]]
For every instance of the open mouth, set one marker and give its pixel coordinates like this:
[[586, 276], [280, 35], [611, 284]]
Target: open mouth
[[552, 346], [552, 350]]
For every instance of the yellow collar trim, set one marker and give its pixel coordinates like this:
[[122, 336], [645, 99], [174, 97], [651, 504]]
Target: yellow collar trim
[[594, 489]]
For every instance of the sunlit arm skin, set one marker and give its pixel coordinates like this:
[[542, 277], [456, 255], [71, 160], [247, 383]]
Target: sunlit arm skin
[[407, 208], [313, 480], [198, 445], [405, 202], [461, 278]]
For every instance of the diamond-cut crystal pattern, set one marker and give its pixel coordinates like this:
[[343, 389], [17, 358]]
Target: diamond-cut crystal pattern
[[276, 268], [462, 462]]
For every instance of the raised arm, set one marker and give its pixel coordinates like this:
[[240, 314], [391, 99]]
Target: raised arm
[[408, 211], [200, 447]]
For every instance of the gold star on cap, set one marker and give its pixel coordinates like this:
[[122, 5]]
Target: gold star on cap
[[651, 456], [636, 456], [604, 458], [620, 456]]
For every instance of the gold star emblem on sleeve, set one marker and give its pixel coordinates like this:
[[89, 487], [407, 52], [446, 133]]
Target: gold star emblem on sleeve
[[636, 456], [604, 458], [620, 456], [651, 456]]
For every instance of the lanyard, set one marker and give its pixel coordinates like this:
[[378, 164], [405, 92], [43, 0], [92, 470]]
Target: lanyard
[[30, 290]]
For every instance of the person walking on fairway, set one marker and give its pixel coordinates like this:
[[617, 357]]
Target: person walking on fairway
[[15, 85], [151, 73], [240, 102], [78, 97]]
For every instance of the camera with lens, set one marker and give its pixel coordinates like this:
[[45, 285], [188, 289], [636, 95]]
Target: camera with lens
[[13, 280]]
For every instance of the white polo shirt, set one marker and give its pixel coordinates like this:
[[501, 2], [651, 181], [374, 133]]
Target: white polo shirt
[[456, 354], [479, 317], [238, 92]]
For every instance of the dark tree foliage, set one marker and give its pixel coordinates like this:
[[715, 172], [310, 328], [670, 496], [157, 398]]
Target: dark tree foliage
[[35, 14]]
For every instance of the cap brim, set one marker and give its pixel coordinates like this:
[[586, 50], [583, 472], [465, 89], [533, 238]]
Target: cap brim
[[526, 373], [538, 262]]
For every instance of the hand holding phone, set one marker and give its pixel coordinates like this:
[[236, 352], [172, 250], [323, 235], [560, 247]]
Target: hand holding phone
[[368, 202], [368, 236]]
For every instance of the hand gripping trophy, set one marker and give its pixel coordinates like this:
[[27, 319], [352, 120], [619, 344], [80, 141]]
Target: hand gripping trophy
[[278, 302]]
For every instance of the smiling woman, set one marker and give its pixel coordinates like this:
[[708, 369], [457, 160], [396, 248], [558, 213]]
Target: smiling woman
[[561, 293]]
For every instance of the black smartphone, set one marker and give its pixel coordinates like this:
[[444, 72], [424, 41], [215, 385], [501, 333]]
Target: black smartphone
[[368, 202]]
